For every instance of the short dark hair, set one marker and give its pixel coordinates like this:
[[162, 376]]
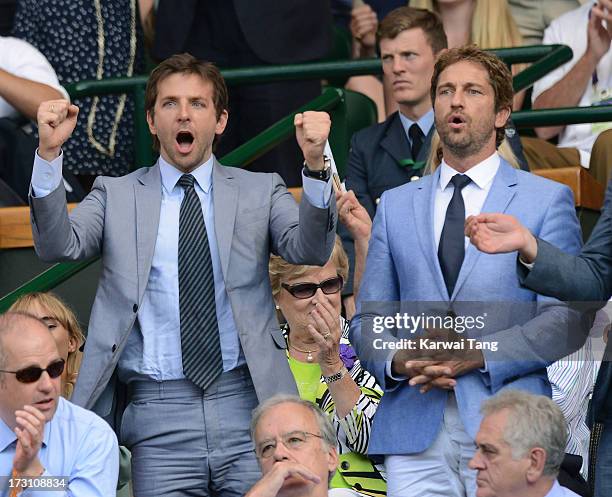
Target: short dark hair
[[186, 64], [404, 18], [500, 76]]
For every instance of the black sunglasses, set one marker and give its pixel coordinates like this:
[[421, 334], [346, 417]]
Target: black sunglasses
[[33, 373], [307, 290]]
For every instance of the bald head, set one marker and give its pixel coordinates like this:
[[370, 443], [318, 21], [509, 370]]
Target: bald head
[[27, 326]]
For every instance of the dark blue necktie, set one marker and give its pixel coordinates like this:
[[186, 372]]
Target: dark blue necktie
[[451, 249], [200, 343], [416, 137]]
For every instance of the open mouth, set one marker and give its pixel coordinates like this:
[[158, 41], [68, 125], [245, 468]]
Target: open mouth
[[184, 141], [456, 121]]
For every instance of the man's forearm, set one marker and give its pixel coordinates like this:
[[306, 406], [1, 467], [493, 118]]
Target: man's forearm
[[24, 94], [566, 93]]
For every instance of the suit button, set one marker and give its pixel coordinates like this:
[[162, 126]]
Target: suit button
[[135, 308], [114, 347], [377, 201], [415, 178], [345, 465]]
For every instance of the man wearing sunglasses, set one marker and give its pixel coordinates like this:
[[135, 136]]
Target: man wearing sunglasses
[[295, 445], [46, 442]]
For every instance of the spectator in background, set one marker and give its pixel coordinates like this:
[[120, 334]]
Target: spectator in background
[[326, 370], [64, 327], [41, 433], [584, 81], [572, 379], [487, 23], [533, 16], [237, 34], [520, 447], [69, 338], [86, 40], [296, 449], [26, 80]]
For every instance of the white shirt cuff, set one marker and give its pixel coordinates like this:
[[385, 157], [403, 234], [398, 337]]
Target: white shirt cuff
[[46, 176], [317, 192], [528, 265], [389, 370]]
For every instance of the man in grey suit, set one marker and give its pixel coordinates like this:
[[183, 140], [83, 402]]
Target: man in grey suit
[[183, 328], [586, 277]]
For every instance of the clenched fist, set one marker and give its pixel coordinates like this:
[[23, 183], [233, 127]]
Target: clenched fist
[[311, 131], [56, 122]]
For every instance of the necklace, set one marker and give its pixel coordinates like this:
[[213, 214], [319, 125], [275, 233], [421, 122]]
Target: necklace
[[110, 150], [309, 357]]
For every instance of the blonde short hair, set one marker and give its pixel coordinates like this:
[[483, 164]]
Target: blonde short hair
[[61, 312], [280, 269]]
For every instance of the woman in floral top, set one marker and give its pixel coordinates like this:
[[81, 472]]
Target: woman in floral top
[[324, 364]]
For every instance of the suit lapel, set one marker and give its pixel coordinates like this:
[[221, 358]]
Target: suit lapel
[[501, 193], [147, 195], [225, 201], [395, 141], [424, 152], [423, 209]]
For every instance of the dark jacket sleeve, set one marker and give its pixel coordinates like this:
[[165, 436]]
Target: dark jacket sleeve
[[586, 277]]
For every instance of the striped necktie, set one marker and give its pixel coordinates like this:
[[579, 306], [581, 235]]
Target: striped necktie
[[200, 343]]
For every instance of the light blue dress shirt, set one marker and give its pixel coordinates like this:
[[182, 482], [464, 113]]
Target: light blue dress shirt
[[78, 445], [425, 123], [153, 349]]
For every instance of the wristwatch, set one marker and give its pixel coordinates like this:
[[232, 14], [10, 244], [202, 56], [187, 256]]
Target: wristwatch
[[323, 174], [336, 376]]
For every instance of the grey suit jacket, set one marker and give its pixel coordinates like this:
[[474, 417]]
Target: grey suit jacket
[[254, 215]]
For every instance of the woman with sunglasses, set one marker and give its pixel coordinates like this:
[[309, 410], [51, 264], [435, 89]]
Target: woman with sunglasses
[[64, 327], [324, 365]]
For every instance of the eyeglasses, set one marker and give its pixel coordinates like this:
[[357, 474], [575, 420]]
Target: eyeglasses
[[33, 373], [294, 441], [307, 290]]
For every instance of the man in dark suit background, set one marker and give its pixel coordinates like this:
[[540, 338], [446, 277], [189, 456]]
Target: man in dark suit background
[[586, 277], [242, 33]]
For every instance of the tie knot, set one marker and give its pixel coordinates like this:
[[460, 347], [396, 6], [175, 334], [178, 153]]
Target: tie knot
[[186, 181], [460, 181], [415, 132]]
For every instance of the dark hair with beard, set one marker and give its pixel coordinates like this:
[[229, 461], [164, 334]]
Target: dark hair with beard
[[404, 18], [186, 64], [500, 77]]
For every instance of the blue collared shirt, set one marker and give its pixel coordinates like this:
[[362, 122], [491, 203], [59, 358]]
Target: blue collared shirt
[[153, 349], [425, 123], [78, 445]]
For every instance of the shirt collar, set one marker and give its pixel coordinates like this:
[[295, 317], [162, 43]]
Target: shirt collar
[[202, 174], [481, 174], [425, 122]]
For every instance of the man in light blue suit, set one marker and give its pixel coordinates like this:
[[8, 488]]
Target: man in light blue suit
[[419, 258]]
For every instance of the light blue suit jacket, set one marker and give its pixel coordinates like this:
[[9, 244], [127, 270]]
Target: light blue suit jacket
[[402, 265]]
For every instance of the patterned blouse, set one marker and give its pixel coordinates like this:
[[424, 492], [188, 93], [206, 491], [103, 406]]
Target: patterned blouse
[[353, 431], [86, 40]]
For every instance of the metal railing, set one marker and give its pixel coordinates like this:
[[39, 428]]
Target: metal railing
[[545, 59]]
